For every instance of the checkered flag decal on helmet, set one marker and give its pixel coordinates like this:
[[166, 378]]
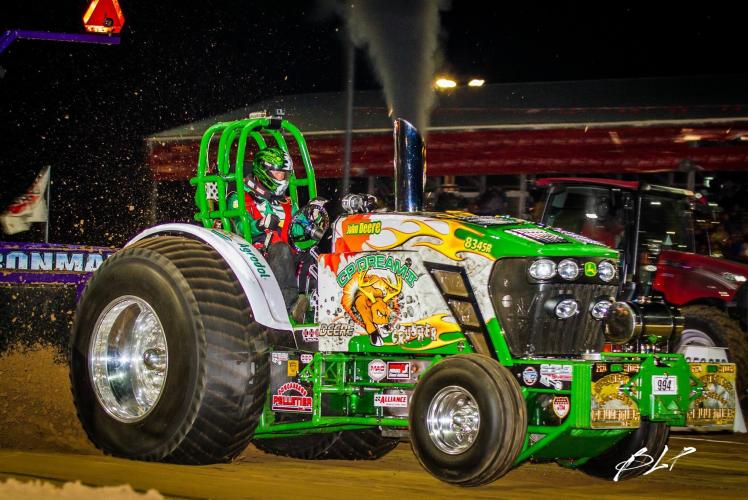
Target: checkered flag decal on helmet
[[211, 191]]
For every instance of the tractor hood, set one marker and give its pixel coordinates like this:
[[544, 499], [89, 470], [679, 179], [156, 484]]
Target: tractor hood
[[455, 233]]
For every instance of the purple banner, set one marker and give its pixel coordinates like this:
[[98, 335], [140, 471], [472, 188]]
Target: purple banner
[[49, 263]]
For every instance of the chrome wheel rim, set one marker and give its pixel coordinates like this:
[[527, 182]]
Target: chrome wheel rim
[[128, 359], [453, 420]]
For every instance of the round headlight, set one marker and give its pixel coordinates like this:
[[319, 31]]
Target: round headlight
[[606, 270], [568, 269], [622, 323], [543, 269], [600, 309], [566, 308]]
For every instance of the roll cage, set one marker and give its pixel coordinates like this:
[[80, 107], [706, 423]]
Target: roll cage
[[225, 170]]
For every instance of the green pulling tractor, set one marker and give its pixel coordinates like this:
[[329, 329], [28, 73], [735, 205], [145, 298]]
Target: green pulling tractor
[[487, 341]]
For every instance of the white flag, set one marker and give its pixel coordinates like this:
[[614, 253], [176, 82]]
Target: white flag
[[29, 207]]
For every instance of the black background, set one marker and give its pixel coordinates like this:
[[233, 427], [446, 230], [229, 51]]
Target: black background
[[85, 109]]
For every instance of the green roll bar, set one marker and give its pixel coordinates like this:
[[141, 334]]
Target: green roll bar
[[228, 177]]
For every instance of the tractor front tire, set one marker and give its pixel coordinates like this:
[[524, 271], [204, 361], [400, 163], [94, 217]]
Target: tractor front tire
[[467, 420], [166, 362]]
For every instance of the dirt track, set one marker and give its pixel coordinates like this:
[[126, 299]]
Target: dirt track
[[41, 439]]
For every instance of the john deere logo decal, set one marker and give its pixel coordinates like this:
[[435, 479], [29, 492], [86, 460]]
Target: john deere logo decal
[[358, 228], [590, 269]]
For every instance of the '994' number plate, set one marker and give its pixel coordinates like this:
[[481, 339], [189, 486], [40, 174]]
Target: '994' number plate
[[662, 384]]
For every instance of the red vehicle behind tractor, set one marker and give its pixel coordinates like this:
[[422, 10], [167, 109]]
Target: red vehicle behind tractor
[[653, 228]]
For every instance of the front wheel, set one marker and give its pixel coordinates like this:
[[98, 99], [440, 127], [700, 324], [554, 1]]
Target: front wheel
[[166, 364], [467, 420]]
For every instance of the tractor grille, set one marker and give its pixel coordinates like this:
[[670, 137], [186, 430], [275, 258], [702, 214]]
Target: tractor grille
[[529, 327]]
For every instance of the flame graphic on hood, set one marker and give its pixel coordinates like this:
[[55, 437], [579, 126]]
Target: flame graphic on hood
[[449, 245], [442, 327]]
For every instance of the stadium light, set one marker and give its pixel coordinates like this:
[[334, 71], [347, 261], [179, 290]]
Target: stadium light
[[445, 83]]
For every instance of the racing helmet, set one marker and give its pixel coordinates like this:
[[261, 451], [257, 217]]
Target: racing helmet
[[273, 167]]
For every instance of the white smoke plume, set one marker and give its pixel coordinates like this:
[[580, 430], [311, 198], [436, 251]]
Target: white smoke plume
[[402, 38]]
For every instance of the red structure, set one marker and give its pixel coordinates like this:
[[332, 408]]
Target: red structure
[[599, 127]]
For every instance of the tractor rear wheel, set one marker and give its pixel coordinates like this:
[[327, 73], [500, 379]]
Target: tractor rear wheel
[[166, 362], [467, 420]]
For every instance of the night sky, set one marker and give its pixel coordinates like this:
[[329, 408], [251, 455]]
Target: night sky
[[85, 109]]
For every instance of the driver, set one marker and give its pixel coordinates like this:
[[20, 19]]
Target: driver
[[271, 212], [266, 201]]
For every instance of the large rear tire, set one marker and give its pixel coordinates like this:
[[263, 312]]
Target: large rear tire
[[166, 362], [467, 420], [649, 435], [711, 327], [362, 444]]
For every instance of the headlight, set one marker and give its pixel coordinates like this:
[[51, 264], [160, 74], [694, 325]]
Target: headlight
[[568, 269], [543, 269], [566, 308], [606, 270], [623, 323], [600, 309]]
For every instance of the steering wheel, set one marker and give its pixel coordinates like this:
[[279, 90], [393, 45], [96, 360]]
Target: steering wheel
[[315, 220]]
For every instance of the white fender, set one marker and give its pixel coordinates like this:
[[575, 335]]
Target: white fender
[[249, 266]]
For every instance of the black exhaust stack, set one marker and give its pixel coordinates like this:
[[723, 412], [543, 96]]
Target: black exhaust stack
[[410, 167]]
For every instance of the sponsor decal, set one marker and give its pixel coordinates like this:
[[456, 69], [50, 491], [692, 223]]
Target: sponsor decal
[[611, 406], [391, 400], [717, 407], [293, 367], [336, 330], [292, 397], [590, 269], [555, 375], [249, 251], [398, 370], [366, 263], [561, 405], [358, 228], [377, 370], [277, 358], [309, 334], [306, 358], [530, 375]]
